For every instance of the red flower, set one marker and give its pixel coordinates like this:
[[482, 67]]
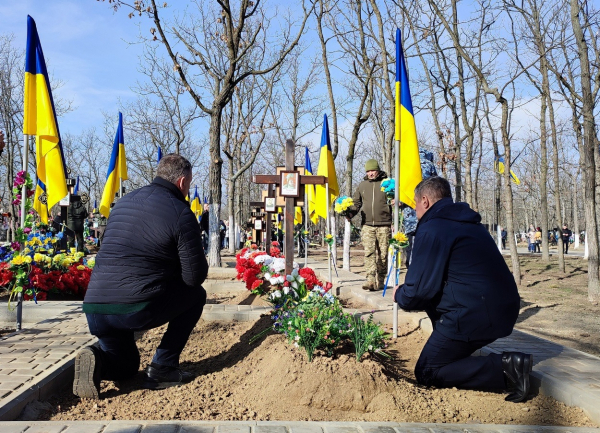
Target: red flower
[[253, 246], [310, 279], [328, 286], [275, 243], [257, 284], [275, 252]]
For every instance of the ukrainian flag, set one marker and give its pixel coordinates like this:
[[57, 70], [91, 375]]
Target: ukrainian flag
[[76, 189], [327, 169], [310, 191], [39, 119], [117, 170], [196, 206], [406, 132], [499, 165], [297, 215]]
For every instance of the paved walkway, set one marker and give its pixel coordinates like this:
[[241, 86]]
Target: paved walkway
[[271, 427], [38, 361]]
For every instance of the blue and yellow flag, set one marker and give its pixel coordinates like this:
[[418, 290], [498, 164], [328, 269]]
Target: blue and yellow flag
[[159, 156], [195, 204], [117, 170], [406, 132], [76, 189], [297, 215], [310, 191], [39, 119], [327, 169], [499, 166]]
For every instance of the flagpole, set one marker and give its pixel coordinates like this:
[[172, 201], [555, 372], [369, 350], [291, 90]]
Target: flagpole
[[23, 216], [305, 227], [327, 229]]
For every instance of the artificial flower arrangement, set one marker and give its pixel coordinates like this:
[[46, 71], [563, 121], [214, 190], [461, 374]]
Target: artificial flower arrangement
[[304, 309], [388, 186], [329, 239], [342, 204], [31, 265]]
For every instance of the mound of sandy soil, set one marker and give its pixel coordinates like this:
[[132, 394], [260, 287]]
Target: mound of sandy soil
[[270, 380]]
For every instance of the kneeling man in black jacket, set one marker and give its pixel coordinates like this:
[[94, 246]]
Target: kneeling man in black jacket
[[458, 276], [148, 272]]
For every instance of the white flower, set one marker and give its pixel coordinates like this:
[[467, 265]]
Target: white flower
[[370, 347], [276, 294], [296, 345], [294, 284], [290, 278], [297, 338], [300, 279], [286, 290], [260, 259], [267, 276], [296, 265]]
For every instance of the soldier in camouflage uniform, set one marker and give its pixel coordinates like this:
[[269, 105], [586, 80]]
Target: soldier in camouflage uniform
[[409, 216], [376, 216]]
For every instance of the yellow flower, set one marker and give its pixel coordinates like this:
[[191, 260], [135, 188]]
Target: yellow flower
[[39, 258], [338, 208], [27, 259], [400, 237], [329, 236], [72, 250], [17, 260], [26, 251], [53, 240], [80, 268]]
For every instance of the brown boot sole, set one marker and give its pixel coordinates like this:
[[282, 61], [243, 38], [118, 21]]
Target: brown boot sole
[[83, 383]]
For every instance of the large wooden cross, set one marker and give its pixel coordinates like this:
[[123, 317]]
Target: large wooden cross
[[290, 202]]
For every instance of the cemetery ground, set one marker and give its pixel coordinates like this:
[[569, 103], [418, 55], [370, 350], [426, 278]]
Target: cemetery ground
[[270, 380]]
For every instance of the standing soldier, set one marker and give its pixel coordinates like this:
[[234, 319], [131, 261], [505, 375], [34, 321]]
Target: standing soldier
[[376, 218]]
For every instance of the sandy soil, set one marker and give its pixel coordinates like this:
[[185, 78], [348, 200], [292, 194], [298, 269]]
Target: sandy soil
[[270, 380]]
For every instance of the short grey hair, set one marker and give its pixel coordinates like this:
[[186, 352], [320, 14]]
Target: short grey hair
[[172, 167], [435, 187]]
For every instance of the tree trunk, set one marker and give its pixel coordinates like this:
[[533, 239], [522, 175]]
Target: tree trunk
[[589, 143], [575, 210], [544, 165], [214, 180], [231, 207]]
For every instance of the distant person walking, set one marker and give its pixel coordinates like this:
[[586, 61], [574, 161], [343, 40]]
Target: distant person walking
[[566, 237], [531, 238], [503, 236], [538, 239]]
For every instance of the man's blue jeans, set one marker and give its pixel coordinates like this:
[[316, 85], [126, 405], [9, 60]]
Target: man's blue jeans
[[119, 354]]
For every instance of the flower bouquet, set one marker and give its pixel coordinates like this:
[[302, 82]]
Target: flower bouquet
[[342, 205], [388, 186], [329, 239]]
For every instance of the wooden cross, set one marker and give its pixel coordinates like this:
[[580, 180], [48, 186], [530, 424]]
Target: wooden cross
[[290, 202]]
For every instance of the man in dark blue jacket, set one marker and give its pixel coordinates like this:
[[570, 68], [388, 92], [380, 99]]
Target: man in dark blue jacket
[[148, 272], [459, 278]]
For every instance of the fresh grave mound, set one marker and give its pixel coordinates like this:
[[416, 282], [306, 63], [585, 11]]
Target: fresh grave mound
[[271, 380], [236, 298]]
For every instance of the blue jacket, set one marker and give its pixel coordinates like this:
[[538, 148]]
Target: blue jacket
[[151, 248], [458, 276]]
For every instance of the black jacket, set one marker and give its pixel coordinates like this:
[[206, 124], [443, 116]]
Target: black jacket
[[76, 214], [151, 247], [458, 276], [372, 203]]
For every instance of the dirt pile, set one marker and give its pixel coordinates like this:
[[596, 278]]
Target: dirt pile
[[270, 380]]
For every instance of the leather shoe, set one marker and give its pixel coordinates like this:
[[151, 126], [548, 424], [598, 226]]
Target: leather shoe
[[517, 366], [88, 371], [161, 377]]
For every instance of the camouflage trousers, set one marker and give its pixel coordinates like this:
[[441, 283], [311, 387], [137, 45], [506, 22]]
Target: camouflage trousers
[[376, 241]]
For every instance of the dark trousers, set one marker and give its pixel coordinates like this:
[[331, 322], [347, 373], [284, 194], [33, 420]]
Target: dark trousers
[[566, 246], [447, 363], [119, 354], [76, 235]]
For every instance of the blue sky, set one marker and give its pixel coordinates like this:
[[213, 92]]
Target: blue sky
[[86, 47]]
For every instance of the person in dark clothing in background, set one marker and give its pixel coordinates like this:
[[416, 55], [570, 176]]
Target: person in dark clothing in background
[[142, 282], [204, 224], [566, 237], [75, 220], [503, 236], [459, 278]]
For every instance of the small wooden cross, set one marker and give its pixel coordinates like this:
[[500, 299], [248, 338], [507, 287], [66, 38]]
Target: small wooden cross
[[290, 202]]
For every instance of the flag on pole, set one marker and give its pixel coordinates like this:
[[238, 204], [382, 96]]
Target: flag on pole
[[95, 206], [76, 189], [499, 166], [117, 170], [195, 205], [406, 132], [310, 191], [327, 169], [39, 119], [159, 157]]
